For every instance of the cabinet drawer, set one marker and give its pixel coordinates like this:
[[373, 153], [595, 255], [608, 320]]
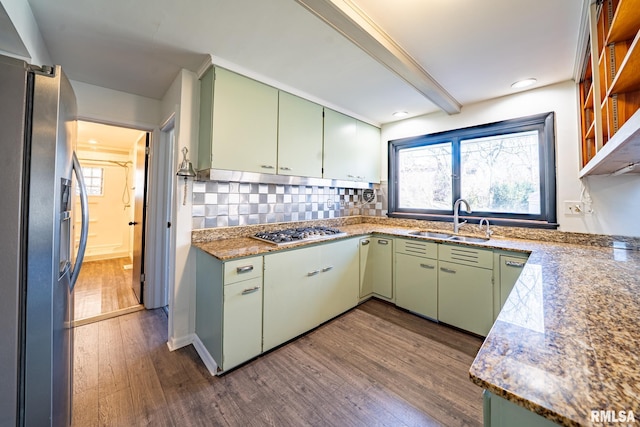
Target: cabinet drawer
[[466, 255], [242, 269], [417, 248]]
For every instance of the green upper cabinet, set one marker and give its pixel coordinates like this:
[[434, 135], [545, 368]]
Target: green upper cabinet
[[299, 137], [248, 126], [238, 123], [351, 148], [369, 158]]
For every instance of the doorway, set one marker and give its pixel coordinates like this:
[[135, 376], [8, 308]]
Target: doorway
[[115, 166]]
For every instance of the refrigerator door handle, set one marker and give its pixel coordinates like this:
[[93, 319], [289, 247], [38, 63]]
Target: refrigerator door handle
[[84, 207]]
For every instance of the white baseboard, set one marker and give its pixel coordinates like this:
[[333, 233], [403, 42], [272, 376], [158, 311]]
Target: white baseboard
[[208, 361], [176, 343]]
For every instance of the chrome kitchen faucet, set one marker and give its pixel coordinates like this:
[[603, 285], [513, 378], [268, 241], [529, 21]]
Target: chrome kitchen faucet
[[456, 213]]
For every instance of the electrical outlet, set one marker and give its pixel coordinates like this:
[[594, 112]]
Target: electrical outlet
[[573, 208]]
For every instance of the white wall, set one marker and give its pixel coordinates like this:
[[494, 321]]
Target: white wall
[[182, 102], [615, 199], [25, 24], [112, 107]]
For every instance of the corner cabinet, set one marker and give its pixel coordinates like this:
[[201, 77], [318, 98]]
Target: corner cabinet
[[228, 311], [376, 267], [351, 149], [238, 123], [610, 88], [306, 287]]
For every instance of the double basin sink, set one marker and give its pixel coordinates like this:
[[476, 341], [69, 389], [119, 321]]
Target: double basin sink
[[448, 237]]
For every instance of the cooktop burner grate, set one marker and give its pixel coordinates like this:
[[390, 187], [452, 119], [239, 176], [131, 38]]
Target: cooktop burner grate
[[295, 235]]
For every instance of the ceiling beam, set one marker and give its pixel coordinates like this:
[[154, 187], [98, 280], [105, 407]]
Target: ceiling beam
[[349, 20]]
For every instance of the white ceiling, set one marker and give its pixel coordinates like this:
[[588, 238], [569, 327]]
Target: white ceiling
[[473, 49], [99, 137]]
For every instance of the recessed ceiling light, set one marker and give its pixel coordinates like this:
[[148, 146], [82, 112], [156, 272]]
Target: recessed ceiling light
[[523, 83], [93, 141], [400, 114]]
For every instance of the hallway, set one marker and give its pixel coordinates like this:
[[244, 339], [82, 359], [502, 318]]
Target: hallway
[[104, 290]]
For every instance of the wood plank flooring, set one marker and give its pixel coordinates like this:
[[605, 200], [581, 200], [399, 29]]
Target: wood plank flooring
[[376, 365], [103, 287]]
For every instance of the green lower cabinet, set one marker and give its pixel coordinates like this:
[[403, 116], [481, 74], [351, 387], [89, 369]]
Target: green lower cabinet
[[465, 297], [499, 412], [242, 322], [376, 267], [289, 282], [417, 284], [510, 269], [228, 311], [306, 287]]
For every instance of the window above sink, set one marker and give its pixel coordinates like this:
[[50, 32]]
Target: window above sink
[[505, 170]]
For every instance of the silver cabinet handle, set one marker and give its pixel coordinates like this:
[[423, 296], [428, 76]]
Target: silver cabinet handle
[[284, 168], [365, 242], [383, 242], [267, 167], [250, 290], [313, 273], [350, 176], [430, 267], [245, 269], [324, 270], [514, 264], [447, 270]]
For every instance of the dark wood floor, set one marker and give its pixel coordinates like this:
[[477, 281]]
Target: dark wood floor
[[103, 287], [373, 366]]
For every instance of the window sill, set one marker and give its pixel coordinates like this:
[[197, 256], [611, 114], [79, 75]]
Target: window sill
[[504, 222]]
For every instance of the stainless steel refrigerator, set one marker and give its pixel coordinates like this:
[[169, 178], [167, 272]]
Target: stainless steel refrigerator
[[39, 264]]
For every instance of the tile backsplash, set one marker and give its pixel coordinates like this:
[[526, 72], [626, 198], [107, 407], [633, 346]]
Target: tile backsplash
[[221, 204]]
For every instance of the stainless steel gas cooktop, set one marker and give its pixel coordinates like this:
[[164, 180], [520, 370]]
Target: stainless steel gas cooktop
[[295, 235]]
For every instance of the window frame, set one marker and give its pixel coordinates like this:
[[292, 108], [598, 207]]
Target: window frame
[[544, 123]]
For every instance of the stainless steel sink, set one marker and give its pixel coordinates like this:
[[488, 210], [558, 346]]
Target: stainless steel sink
[[468, 239], [432, 235], [447, 236]]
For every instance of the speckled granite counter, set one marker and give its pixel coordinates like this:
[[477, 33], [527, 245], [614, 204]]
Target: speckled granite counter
[[566, 341]]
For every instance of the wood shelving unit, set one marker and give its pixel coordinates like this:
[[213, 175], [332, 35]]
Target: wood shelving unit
[[610, 84]]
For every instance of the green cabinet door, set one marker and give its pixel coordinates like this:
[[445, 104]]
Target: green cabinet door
[[242, 322], [381, 258], [299, 137], [417, 284], [369, 154], [290, 283], [340, 146], [499, 412], [366, 268], [245, 124], [465, 297], [510, 269], [337, 287], [376, 267]]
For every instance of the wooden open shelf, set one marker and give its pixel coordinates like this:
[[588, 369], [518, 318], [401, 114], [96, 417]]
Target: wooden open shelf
[[610, 88]]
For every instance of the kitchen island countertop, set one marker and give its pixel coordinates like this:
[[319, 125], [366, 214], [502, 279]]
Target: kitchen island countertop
[[566, 341]]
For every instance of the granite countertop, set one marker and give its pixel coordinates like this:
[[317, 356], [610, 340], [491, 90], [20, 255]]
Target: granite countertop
[[565, 342]]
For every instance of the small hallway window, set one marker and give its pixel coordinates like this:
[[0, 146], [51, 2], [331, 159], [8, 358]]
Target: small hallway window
[[94, 180]]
